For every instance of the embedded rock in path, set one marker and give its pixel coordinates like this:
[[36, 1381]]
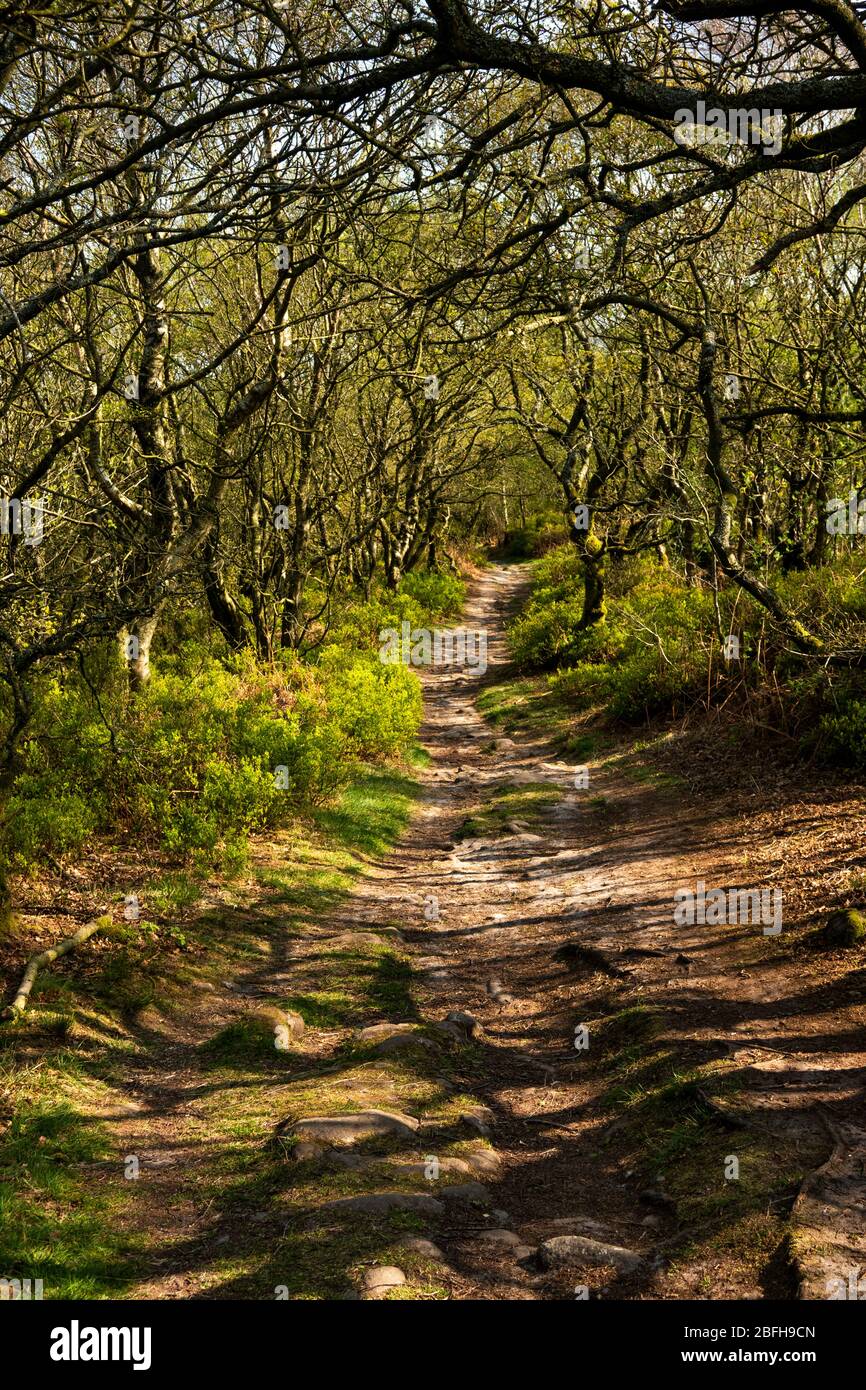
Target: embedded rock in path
[[479, 1118], [392, 1037], [382, 1278], [417, 1167], [452, 1031], [418, 1245], [377, 1032], [307, 1150], [380, 1203], [399, 1042], [580, 1250], [348, 1159], [485, 1162], [421, 1167], [279, 1018], [828, 1220], [469, 1025], [466, 1192], [348, 1129], [499, 1237], [387, 930]]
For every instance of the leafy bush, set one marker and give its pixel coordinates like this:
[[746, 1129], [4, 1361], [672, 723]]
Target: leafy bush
[[189, 764], [44, 825], [843, 735], [539, 536], [546, 631], [435, 593], [376, 708], [658, 650], [651, 654]]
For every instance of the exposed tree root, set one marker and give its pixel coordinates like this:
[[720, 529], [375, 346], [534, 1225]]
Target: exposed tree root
[[828, 1223]]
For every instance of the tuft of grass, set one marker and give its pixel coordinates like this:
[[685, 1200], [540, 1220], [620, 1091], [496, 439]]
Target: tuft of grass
[[57, 1223], [357, 987], [508, 801], [244, 1042], [518, 705], [371, 814]]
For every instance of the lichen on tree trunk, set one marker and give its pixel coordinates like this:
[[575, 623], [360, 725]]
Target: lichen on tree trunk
[[593, 560]]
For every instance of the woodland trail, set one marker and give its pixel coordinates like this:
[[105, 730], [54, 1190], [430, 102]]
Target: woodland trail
[[704, 1044]]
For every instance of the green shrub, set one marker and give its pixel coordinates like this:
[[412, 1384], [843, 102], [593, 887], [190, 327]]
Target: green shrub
[[546, 631], [843, 735], [190, 763], [436, 594], [537, 537], [658, 650], [376, 707], [42, 823], [649, 657]]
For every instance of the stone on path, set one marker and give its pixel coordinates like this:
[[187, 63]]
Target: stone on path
[[485, 1162], [348, 1129], [465, 1192], [828, 1221], [380, 1203], [580, 1250], [499, 1237], [418, 1245], [380, 1279], [385, 1038], [469, 1025], [480, 1119], [279, 1018], [307, 1150]]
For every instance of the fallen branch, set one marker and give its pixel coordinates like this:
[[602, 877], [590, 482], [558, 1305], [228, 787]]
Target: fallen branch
[[35, 963]]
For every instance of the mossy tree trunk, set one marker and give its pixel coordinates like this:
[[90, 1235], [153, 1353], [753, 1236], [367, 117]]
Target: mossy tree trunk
[[594, 561]]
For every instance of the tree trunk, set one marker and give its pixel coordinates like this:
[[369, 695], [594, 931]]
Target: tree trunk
[[135, 641], [593, 558], [224, 610]]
